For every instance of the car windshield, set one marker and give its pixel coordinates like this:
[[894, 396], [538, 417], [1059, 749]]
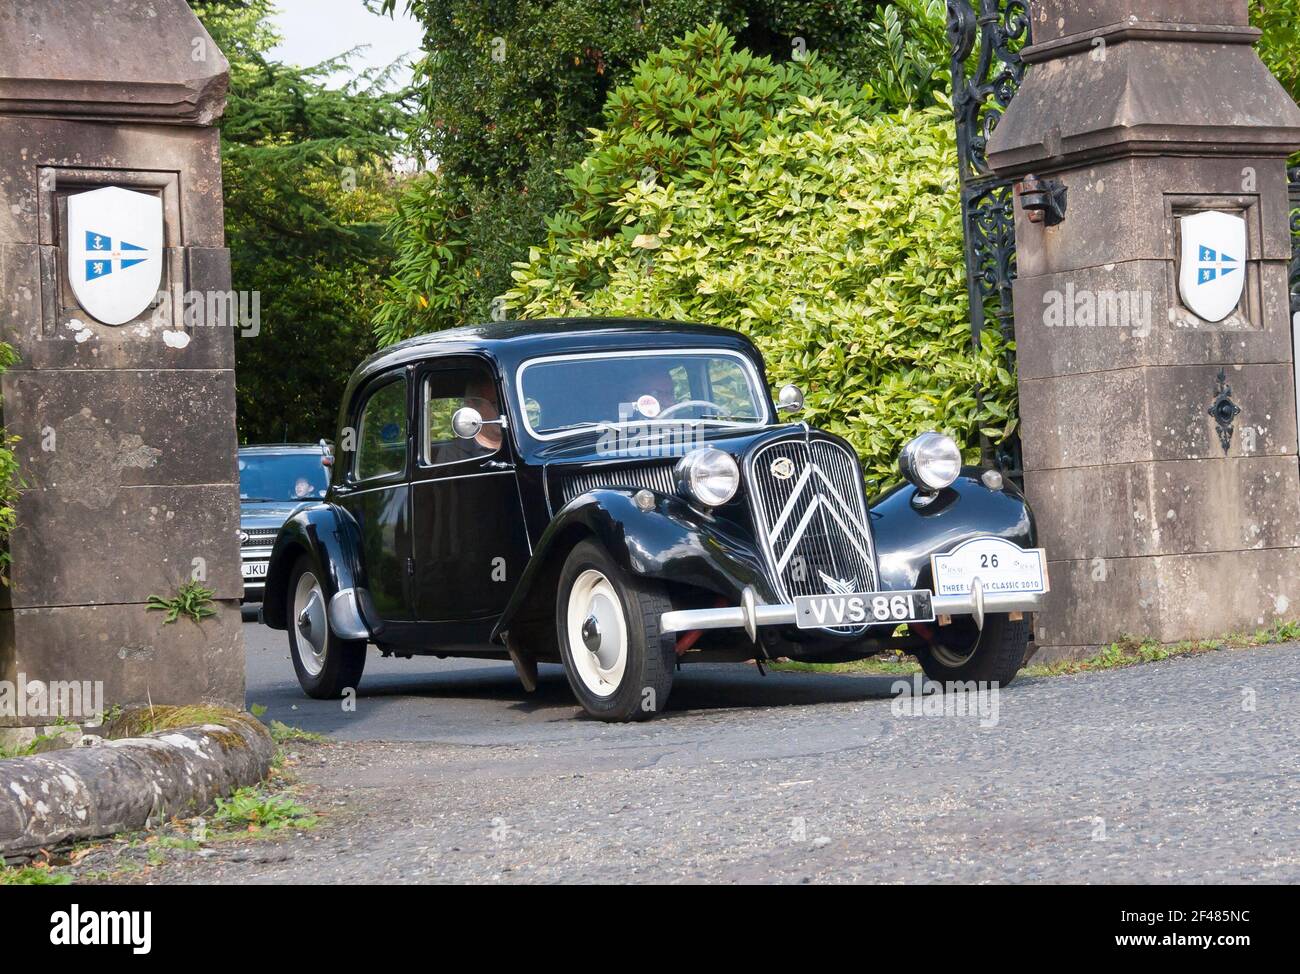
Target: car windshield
[[281, 476], [576, 392]]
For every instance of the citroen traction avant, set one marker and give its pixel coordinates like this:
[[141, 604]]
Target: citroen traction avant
[[624, 497]]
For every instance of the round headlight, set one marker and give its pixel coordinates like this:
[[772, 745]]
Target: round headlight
[[931, 461], [710, 476]]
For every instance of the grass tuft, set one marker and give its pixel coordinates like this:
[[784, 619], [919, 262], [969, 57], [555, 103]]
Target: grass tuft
[[255, 810], [284, 734], [1131, 651], [146, 720], [34, 875]]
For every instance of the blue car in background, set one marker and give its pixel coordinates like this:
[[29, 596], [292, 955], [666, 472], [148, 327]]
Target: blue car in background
[[274, 479]]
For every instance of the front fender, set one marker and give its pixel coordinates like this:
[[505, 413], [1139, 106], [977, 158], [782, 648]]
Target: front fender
[[327, 534], [907, 535], [670, 542]]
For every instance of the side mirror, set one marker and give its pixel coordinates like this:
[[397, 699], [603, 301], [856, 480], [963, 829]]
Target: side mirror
[[789, 399], [466, 422]]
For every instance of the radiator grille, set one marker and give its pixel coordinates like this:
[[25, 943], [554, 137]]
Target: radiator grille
[[812, 523], [658, 476], [259, 537]]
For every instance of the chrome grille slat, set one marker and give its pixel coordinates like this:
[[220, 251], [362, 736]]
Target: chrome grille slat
[[660, 477], [259, 537], [799, 552]]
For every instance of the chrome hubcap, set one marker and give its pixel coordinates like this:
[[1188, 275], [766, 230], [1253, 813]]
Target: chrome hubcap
[[591, 633], [313, 628]]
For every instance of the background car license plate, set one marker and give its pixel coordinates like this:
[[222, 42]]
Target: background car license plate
[[255, 569], [862, 609]]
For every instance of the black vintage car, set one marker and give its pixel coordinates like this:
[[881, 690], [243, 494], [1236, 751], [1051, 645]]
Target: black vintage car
[[623, 496]]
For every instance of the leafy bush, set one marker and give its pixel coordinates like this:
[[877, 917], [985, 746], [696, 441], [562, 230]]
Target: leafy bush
[[1280, 46], [832, 239], [506, 93], [907, 53]]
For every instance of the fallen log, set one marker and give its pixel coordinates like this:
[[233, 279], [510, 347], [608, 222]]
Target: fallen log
[[122, 785]]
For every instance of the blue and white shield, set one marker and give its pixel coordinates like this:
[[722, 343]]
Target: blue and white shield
[[114, 247], [1213, 264]]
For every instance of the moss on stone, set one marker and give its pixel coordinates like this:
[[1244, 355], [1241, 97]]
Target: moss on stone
[[137, 721]]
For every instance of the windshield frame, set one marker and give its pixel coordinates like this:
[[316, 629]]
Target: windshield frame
[[762, 394]]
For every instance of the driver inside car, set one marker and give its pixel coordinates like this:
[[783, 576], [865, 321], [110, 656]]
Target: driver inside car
[[656, 382], [480, 394]]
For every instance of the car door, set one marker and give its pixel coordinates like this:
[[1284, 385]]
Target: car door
[[376, 490], [469, 539]]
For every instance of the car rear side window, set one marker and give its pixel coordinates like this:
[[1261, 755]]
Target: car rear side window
[[381, 434]]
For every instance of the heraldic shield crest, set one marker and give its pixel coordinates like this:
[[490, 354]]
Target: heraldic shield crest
[[114, 249], [1213, 264]]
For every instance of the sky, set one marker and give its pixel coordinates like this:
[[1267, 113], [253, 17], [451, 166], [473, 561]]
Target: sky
[[314, 30]]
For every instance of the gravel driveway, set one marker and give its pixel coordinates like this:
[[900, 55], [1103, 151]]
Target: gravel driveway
[[1183, 771]]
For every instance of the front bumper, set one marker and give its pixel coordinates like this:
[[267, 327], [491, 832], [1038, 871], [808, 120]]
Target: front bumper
[[750, 615]]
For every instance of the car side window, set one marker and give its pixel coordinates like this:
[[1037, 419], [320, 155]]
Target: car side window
[[381, 433], [447, 390]]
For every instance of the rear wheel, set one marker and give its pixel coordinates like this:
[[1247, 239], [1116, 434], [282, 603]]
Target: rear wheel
[[325, 664], [619, 664], [962, 652]]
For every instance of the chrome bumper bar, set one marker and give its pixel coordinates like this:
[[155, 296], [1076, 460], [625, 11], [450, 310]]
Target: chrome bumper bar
[[749, 615]]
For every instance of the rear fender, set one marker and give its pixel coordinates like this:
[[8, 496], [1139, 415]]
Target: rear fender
[[671, 542]]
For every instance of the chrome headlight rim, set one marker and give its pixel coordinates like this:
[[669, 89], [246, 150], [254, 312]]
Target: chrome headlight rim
[[931, 462], [709, 476]]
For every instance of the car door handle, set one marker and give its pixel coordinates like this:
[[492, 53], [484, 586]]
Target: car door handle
[[497, 465]]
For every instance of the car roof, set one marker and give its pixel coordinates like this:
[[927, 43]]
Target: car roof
[[512, 342]]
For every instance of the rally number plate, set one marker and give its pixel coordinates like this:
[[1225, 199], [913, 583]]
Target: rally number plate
[[1001, 566]]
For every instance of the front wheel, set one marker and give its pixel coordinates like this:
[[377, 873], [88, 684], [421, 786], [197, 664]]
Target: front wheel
[[326, 665], [619, 664], [961, 652]]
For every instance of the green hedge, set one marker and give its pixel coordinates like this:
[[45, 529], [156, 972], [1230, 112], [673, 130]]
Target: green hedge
[[831, 237]]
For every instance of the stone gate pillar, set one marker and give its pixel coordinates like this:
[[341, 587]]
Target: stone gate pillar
[[1155, 351], [124, 394]]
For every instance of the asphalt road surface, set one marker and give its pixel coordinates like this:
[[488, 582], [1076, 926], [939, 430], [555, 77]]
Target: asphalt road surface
[[1184, 771]]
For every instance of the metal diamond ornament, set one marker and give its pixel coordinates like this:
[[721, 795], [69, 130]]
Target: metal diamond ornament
[[114, 251], [1224, 411]]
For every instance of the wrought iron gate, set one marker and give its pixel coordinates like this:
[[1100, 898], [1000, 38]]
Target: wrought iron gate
[[1293, 176], [985, 37]]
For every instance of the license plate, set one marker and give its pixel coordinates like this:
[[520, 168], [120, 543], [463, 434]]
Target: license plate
[[1001, 566], [862, 609], [255, 569]]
